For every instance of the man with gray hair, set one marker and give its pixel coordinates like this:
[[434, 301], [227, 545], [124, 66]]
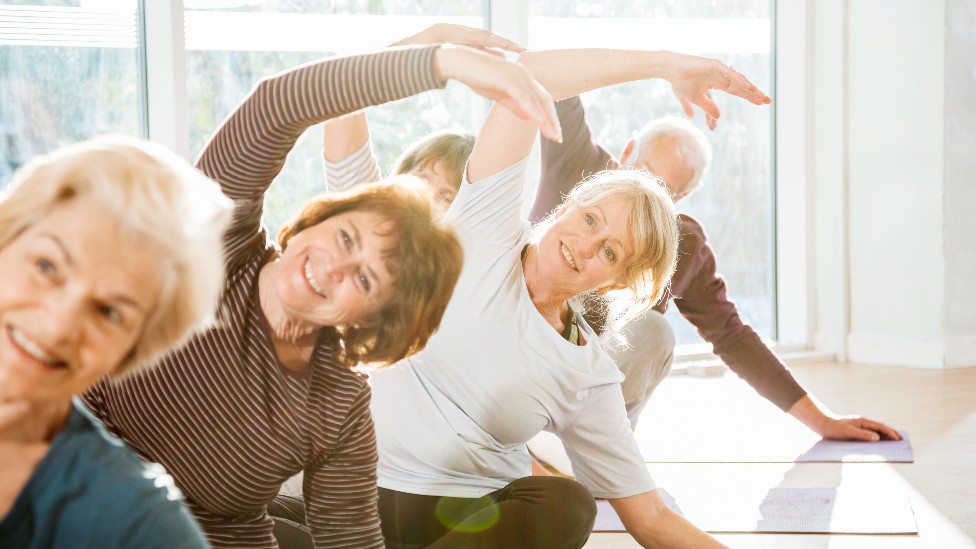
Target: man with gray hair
[[679, 153]]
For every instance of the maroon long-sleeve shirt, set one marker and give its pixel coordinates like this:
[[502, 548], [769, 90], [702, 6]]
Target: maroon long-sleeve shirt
[[698, 290]]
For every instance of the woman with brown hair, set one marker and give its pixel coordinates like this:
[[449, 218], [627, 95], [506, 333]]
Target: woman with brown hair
[[357, 277]]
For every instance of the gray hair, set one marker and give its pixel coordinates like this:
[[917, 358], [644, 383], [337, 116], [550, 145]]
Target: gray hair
[[692, 147]]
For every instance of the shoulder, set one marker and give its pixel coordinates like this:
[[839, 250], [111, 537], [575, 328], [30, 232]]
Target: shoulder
[[693, 234], [114, 493]]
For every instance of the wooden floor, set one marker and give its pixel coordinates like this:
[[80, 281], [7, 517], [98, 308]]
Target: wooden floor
[[936, 407]]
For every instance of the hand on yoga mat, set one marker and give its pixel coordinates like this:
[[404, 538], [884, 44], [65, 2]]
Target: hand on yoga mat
[[505, 82], [857, 428], [832, 427]]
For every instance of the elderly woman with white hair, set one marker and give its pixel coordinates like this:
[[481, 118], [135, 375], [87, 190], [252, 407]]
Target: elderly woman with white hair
[[110, 254], [514, 357]]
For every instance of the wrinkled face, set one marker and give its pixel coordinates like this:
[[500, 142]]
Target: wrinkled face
[[334, 272], [74, 298], [658, 158], [587, 248], [435, 174]]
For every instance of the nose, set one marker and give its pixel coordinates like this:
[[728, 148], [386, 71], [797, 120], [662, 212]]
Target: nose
[[590, 248], [65, 315], [339, 268]]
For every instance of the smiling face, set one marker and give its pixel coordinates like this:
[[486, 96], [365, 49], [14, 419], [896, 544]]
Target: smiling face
[[335, 272], [74, 298], [587, 247]]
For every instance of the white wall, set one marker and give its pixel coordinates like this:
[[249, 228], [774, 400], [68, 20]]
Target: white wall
[[960, 182], [895, 213]]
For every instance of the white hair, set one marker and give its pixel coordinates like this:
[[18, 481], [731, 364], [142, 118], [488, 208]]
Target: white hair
[[691, 146]]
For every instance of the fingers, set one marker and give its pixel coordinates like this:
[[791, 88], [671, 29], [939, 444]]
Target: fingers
[[687, 107], [887, 433], [709, 120], [706, 104], [740, 86], [495, 41], [544, 109]]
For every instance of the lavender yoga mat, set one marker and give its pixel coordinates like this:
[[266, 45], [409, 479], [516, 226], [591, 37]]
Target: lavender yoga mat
[[788, 451], [793, 511]]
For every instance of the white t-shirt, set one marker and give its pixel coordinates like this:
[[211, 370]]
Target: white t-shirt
[[453, 419]]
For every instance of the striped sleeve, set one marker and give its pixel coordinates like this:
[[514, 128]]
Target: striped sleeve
[[249, 148], [340, 492], [359, 167]]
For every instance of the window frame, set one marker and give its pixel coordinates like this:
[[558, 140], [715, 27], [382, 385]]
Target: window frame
[[793, 286]]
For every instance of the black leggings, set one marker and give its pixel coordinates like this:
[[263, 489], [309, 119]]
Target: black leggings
[[531, 512]]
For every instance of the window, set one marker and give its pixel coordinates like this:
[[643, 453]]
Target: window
[[228, 49], [68, 71]]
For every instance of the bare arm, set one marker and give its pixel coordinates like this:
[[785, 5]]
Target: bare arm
[[564, 73], [652, 524], [821, 421], [344, 136]]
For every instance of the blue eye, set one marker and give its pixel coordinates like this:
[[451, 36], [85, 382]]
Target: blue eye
[[590, 220], [609, 253], [111, 314], [45, 267]]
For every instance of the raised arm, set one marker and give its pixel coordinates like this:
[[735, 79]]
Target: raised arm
[[564, 73], [348, 135]]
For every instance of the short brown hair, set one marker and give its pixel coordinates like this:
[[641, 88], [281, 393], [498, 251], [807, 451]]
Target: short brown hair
[[425, 262], [451, 147]]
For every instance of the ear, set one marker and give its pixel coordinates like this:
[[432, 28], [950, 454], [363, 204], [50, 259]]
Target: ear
[[628, 149], [610, 287]]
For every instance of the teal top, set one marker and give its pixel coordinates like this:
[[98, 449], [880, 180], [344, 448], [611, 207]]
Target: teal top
[[89, 490]]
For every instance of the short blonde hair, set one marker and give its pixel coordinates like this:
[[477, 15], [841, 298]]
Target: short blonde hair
[[450, 147], [425, 260], [155, 196], [654, 229]]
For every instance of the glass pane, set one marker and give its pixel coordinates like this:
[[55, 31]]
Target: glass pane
[[232, 44], [735, 203], [68, 71]]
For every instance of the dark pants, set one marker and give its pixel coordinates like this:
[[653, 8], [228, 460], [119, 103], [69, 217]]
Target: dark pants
[[531, 512], [288, 514]]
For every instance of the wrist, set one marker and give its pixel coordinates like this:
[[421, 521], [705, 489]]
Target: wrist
[[445, 61]]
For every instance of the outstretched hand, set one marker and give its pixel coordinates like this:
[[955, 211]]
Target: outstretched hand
[[448, 33], [857, 428], [692, 77], [506, 82]]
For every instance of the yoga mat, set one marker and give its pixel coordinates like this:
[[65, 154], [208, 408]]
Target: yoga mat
[[787, 451], [608, 521], [885, 451], [793, 511]]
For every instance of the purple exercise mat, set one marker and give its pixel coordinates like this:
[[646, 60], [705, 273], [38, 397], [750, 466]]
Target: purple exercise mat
[[794, 511]]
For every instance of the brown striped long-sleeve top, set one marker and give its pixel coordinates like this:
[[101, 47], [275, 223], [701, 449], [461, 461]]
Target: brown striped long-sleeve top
[[221, 414]]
